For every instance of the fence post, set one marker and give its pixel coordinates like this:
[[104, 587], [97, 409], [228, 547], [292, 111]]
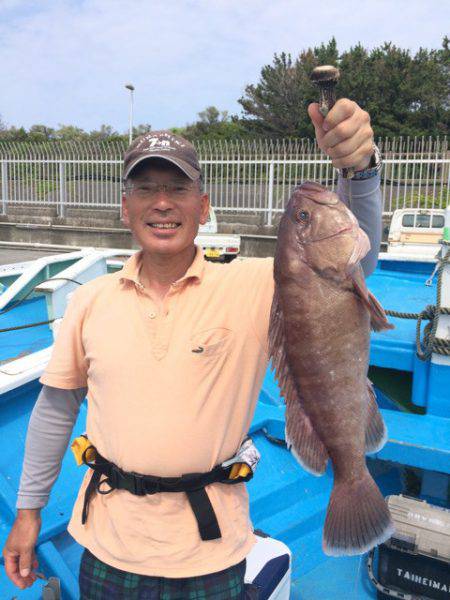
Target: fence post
[[270, 195], [62, 190], [4, 186]]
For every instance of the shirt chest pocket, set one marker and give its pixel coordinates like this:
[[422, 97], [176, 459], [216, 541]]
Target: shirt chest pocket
[[211, 342]]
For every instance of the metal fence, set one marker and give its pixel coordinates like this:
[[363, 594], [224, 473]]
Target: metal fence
[[253, 176]]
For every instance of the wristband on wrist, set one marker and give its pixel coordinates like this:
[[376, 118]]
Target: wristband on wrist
[[373, 168]]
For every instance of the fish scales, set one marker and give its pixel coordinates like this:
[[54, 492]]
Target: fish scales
[[319, 337]]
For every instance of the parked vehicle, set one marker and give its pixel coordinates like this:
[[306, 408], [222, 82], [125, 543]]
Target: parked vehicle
[[217, 246], [416, 231]]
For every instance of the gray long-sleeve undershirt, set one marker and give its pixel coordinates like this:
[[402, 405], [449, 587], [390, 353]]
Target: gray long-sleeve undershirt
[[51, 424], [366, 205], [56, 410]]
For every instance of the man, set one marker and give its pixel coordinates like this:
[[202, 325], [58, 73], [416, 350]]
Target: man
[[172, 352]]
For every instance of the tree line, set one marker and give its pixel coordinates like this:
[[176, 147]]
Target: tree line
[[405, 94]]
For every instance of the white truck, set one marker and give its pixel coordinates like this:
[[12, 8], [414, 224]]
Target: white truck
[[416, 232], [218, 247]]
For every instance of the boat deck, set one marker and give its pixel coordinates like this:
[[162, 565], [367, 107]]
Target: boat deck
[[401, 287], [22, 342], [285, 501]]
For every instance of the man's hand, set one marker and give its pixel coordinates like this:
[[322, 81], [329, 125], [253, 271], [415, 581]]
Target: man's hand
[[18, 552], [345, 135]]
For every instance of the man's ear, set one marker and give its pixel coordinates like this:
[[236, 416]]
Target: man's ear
[[125, 216], [205, 209]]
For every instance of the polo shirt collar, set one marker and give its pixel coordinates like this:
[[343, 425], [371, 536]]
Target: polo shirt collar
[[131, 268]]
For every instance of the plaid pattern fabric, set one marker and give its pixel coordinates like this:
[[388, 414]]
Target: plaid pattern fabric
[[99, 581]]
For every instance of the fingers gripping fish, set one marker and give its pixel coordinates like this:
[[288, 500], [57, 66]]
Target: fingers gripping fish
[[319, 336]]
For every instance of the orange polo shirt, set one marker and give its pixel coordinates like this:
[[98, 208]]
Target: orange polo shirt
[[156, 407]]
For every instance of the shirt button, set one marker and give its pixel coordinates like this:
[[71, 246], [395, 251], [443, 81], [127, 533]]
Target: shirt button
[[152, 315]]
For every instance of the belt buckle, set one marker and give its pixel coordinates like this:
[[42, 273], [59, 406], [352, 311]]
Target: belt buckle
[[138, 485], [113, 477]]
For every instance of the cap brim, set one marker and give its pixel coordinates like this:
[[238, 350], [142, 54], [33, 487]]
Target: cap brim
[[184, 166]]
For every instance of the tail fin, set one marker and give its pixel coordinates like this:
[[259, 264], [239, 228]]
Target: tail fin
[[376, 432], [357, 519]]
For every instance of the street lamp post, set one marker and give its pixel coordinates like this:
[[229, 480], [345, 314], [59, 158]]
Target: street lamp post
[[130, 87]]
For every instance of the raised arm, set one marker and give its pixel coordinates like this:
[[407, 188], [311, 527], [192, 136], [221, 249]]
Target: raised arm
[[366, 206], [346, 136]]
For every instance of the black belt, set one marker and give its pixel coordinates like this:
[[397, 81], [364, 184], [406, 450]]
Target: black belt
[[193, 484]]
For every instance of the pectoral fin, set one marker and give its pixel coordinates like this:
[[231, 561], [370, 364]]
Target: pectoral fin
[[360, 249], [378, 319], [301, 437]]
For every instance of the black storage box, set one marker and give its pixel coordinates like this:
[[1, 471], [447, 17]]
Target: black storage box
[[418, 575], [416, 560]]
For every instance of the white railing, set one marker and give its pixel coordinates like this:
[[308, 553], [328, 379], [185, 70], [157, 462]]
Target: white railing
[[252, 176]]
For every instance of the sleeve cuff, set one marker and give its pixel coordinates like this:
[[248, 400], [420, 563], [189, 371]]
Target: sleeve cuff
[[360, 188], [69, 383], [31, 501]]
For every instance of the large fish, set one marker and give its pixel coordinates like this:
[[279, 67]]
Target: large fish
[[319, 336]]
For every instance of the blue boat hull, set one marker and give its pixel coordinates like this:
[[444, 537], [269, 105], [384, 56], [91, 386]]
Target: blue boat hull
[[286, 502]]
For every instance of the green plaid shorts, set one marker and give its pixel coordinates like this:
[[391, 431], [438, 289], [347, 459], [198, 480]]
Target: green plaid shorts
[[99, 581]]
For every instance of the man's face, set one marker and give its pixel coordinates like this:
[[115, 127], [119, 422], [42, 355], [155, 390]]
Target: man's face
[[164, 220]]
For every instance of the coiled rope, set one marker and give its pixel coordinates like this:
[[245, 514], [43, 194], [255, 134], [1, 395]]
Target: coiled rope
[[430, 343]]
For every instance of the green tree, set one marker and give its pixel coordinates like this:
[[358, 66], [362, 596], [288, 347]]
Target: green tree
[[213, 124], [276, 106], [70, 133], [106, 132], [14, 134], [430, 85], [404, 94], [141, 129], [40, 133], [212, 116]]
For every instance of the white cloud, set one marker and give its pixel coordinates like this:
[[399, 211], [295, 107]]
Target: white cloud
[[67, 61]]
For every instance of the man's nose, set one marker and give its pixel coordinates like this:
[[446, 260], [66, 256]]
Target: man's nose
[[162, 200]]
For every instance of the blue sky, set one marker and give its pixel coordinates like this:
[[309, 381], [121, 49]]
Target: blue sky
[[66, 61]]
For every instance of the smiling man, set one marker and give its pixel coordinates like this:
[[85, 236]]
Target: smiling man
[[171, 352], [163, 205]]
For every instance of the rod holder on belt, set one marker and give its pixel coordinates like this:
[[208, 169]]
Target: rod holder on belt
[[326, 78]]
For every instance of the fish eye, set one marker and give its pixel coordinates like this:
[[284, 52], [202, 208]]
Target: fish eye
[[303, 216]]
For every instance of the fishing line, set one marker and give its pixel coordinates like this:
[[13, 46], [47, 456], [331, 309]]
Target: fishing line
[[358, 575], [20, 300], [350, 195]]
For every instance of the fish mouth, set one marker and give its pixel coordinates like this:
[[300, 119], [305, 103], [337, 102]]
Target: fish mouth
[[332, 235]]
